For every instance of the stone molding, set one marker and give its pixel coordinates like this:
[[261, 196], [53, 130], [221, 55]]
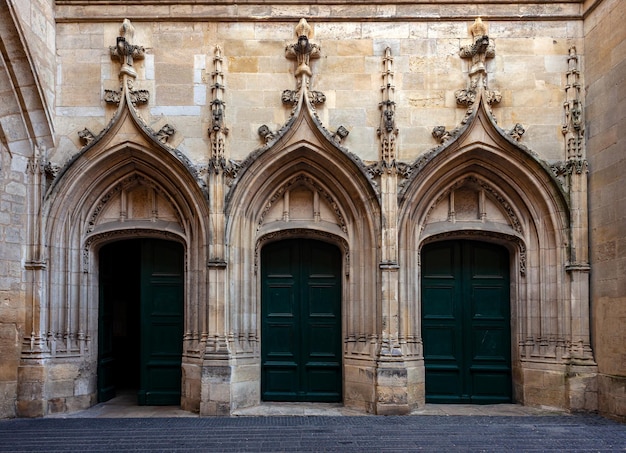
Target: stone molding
[[325, 10]]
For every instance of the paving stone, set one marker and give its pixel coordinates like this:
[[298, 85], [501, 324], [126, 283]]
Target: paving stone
[[319, 433]]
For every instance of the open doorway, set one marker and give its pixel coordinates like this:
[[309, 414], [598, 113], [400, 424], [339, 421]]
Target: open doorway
[[140, 325]]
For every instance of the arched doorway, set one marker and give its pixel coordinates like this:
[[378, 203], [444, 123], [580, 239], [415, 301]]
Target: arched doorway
[[466, 322], [301, 345], [140, 327]]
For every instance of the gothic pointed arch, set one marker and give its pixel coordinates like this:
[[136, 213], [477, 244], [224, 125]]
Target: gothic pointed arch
[[304, 184], [482, 184], [123, 186]]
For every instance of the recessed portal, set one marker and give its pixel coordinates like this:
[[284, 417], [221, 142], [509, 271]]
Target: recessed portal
[[466, 322], [301, 321], [141, 320]]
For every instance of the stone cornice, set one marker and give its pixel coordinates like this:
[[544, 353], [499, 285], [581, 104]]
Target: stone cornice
[[322, 10]]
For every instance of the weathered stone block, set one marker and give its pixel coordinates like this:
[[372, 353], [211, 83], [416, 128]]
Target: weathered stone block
[[31, 408]]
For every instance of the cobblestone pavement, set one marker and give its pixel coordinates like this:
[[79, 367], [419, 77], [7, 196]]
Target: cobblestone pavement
[[437, 433]]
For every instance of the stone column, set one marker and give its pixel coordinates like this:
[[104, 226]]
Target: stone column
[[216, 372], [31, 398], [582, 370], [391, 372]]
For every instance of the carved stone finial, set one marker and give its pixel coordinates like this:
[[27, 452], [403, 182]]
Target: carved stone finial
[[387, 130], [573, 125], [303, 28], [478, 51], [218, 130], [478, 28], [303, 50], [125, 51]]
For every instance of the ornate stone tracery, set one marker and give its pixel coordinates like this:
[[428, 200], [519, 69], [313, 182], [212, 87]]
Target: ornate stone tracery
[[307, 181]]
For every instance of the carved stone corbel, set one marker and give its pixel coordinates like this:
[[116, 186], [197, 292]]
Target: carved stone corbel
[[266, 134], [517, 132], [165, 133]]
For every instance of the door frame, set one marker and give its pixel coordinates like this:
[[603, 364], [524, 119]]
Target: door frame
[[96, 243], [517, 270], [305, 234]]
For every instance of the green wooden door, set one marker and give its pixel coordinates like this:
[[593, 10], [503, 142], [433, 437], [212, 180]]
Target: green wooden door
[[466, 322], [162, 294], [301, 321], [141, 320]]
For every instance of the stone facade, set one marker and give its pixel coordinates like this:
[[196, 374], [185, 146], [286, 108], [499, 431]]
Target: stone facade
[[606, 91], [376, 127]]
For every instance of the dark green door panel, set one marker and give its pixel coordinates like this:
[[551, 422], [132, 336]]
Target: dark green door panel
[[162, 291], [301, 321], [466, 322]]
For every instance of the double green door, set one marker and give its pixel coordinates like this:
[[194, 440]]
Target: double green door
[[141, 320], [466, 322], [301, 321]]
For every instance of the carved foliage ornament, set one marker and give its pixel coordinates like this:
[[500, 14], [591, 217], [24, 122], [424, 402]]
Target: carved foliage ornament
[[125, 51], [478, 52], [303, 51]]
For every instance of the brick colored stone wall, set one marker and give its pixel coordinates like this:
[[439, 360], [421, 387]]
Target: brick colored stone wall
[[605, 82]]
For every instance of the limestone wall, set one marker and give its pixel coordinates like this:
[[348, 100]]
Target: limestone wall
[[38, 24], [528, 68], [13, 208], [605, 67], [23, 117], [531, 66]]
